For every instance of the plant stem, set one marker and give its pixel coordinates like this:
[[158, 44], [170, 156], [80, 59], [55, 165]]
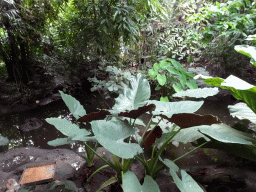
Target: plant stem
[[141, 142], [97, 171], [155, 159], [190, 151], [106, 161]]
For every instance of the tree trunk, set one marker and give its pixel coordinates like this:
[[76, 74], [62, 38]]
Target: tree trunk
[[17, 63]]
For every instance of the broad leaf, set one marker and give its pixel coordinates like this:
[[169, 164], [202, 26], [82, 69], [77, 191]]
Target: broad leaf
[[173, 70], [242, 111], [186, 183], [177, 87], [170, 108], [227, 134], [133, 97], [161, 79], [164, 64], [192, 84], [183, 80], [247, 50], [175, 63], [152, 72], [111, 135], [198, 93], [67, 128], [164, 99], [185, 120], [132, 184], [60, 141], [156, 66], [189, 135], [150, 185], [74, 106]]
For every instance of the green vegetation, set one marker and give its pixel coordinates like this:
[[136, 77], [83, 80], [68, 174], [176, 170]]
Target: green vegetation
[[170, 73], [102, 41]]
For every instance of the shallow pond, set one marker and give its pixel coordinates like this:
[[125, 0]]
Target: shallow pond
[[10, 124]]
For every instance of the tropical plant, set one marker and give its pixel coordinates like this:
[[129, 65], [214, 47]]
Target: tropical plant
[[171, 77], [118, 133]]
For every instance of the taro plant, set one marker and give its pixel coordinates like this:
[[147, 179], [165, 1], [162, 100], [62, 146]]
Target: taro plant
[[71, 129], [118, 133], [171, 78]]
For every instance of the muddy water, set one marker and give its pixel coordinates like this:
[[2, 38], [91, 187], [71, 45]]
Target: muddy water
[[10, 124]]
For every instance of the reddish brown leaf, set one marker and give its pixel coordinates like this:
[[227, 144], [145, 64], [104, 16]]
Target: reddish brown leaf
[[136, 113], [157, 133], [94, 116], [185, 120]]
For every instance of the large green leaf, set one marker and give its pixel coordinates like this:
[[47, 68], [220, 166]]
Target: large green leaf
[[67, 128], [60, 141], [132, 184], [197, 93], [242, 111], [192, 84], [224, 133], [247, 50], [156, 66], [164, 64], [183, 80], [170, 108], [186, 183], [133, 97], [173, 70], [152, 72], [74, 106], [189, 135], [111, 135], [183, 136], [177, 87], [161, 79], [175, 63]]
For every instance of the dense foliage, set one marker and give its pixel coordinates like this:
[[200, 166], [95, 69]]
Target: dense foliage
[[102, 40]]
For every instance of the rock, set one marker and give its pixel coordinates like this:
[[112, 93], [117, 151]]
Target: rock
[[63, 171], [13, 162], [45, 101], [31, 124]]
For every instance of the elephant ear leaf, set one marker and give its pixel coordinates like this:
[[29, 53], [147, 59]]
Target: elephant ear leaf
[[111, 135], [132, 184], [74, 106], [186, 183], [133, 97]]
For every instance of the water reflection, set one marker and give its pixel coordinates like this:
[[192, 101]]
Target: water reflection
[[10, 125]]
